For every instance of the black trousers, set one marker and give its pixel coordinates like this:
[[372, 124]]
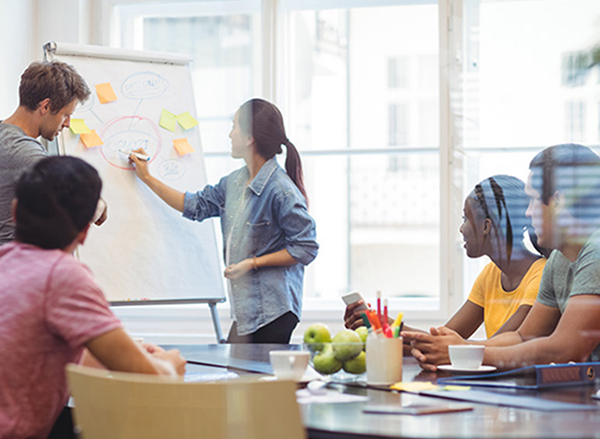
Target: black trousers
[[278, 331]]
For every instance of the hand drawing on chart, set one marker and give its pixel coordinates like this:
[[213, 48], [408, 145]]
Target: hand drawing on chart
[[135, 131], [118, 135]]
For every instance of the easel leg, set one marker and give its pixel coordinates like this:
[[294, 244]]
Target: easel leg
[[216, 322]]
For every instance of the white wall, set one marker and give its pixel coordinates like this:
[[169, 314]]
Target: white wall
[[18, 34]]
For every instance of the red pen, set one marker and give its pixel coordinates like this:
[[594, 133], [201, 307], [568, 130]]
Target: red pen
[[379, 305]]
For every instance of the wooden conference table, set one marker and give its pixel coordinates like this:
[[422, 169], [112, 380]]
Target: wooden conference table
[[347, 420]]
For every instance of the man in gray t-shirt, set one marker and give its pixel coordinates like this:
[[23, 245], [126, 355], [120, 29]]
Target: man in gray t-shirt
[[18, 151], [48, 95], [564, 323]]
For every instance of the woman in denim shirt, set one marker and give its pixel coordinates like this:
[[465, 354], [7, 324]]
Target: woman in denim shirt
[[268, 235]]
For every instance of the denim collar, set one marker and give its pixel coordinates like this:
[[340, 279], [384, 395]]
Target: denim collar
[[257, 185]]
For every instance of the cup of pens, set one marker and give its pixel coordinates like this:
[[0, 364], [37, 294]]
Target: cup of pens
[[384, 347]]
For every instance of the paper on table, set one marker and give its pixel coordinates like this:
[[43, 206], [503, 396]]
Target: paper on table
[[182, 146], [91, 139], [186, 120], [305, 396], [105, 93], [168, 120], [78, 126]]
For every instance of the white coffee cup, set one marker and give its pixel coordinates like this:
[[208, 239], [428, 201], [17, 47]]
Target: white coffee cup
[[466, 356], [289, 365]]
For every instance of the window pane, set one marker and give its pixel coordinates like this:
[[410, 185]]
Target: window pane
[[524, 87], [367, 79]]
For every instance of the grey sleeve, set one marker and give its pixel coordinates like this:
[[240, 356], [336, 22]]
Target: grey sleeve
[[27, 152], [586, 278]]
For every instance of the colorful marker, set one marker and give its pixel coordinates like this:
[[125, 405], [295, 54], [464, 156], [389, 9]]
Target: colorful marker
[[137, 154]]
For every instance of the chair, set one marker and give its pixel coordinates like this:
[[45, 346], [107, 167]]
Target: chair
[[120, 405]]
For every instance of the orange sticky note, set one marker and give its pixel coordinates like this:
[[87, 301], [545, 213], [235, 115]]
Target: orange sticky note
[[91, 139], [105, 93], [182, 146]]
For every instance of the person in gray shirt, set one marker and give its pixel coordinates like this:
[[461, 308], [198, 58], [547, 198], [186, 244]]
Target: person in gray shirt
[[48, 95], [564, 323]]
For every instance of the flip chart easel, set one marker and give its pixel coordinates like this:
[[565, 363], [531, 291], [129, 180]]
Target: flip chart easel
[[146, 253]]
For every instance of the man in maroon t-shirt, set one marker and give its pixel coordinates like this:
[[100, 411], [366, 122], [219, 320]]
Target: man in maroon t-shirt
[[51, 308]]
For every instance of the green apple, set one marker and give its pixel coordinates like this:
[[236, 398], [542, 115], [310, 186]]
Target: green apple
[[317, 333], [325, 361], [362, 332], [357, 365], [346, 345]]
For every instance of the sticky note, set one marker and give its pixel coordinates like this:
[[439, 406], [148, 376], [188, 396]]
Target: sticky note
[[105, 93], [91, 139], [186, 120], [414, 386], [182, 146], [168, 120], [78, 126]]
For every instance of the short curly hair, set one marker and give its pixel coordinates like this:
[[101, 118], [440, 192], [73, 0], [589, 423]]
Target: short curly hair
[[55, 80]]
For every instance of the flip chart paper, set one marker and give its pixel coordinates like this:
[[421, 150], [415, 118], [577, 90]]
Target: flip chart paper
[[168, 120], [78, 126], [182, 146], [105, 93], [91, 139], [186, 120]]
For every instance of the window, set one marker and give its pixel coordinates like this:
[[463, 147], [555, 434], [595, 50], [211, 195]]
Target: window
[[389, 150]]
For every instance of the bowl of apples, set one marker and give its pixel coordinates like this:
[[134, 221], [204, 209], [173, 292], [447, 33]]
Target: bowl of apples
[[343, 355]]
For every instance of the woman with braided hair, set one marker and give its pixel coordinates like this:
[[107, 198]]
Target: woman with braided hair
[[494, 225], [268, 235]]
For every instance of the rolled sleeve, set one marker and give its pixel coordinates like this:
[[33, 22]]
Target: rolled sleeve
[[299, 229], [205, 203]]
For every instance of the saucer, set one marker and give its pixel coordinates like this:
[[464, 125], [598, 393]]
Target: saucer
[[452, 369]]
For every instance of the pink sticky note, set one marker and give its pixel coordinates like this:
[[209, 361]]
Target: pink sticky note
[[91, 139], [182, 146]]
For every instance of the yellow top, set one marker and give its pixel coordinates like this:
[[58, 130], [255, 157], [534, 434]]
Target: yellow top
[[499, 305]]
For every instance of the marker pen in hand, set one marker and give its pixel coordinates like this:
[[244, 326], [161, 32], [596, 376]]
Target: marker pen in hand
[[137, 154]]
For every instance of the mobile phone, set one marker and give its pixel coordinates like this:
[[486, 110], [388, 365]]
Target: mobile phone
[[415, 409], [354, 297]]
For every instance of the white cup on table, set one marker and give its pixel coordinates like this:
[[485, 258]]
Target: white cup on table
[[289, 365], [466, 356]]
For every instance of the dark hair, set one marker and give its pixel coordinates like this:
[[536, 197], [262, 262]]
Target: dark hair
[[502, 199], [56, 199], [55, 80], [574, 171], [264, 122]]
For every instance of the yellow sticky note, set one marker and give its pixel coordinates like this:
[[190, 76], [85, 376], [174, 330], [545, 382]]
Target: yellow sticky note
[[91, 139], [414, 386], [78, 126], [168, 120], [182, 146], [186, 120], [105, 93]]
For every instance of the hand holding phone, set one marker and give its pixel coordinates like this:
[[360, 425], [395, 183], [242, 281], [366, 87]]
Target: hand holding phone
[[353, 297], [352, 315]]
